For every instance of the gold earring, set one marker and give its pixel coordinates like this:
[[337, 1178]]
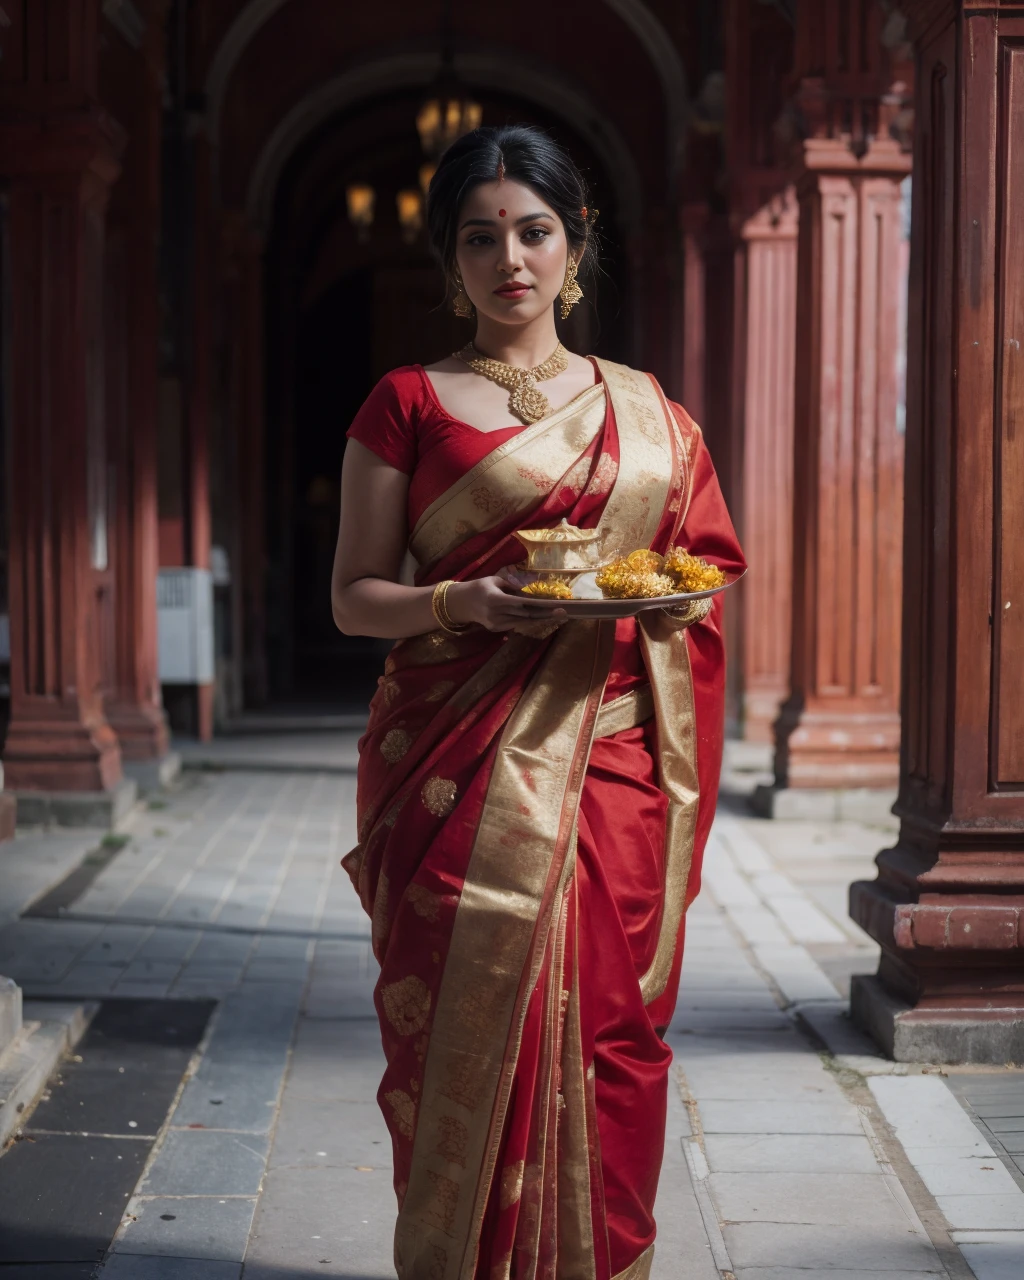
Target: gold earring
[[570, 293], [461, 304]]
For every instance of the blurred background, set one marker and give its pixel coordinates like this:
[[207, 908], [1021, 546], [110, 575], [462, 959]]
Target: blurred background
[[211, 218]]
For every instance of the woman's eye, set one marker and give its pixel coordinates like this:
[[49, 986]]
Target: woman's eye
[[480, 238], [536, 233]]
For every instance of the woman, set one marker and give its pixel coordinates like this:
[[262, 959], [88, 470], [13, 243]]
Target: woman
[[534, 797]]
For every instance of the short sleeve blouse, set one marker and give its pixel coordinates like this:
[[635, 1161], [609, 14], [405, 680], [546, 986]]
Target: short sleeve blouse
[[403, 422]]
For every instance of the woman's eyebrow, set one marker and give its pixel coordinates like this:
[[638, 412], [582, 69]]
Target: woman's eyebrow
[[489, 222]]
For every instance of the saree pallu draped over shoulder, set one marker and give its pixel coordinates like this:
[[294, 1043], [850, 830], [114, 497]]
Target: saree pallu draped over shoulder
[[513, 815]]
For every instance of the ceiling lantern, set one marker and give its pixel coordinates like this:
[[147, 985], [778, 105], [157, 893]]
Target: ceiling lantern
[[360, 198], [409, 204], [444, 118]]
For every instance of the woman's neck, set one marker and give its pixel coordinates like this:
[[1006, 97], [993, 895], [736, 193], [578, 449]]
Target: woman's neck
[[524, 346]]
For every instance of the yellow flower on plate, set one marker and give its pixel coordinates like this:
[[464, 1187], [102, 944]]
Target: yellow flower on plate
[[550, 589], [692, 573]]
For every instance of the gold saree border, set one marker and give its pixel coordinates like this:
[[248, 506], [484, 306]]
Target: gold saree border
[[520, 861], [640, 1269], [636, 504], [627, 712], [667, 658], [576, 1253], [537, 460]]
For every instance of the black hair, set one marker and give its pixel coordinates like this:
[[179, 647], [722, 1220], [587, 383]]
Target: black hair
[[516, 152]]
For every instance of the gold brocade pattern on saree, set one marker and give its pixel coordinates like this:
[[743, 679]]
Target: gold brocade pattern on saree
[[454, 1140], [511, 1183], [407, 1004], [480, 500], [433, 647], [441, 1211], [389, 689], [404, 1109], [463, 1084], [394, 745], [439, 795], [425, 903], [440, 691]]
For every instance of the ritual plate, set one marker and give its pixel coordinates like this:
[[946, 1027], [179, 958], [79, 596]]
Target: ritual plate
[[588, 602]]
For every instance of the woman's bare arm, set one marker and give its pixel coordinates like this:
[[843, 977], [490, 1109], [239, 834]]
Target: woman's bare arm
[[366, 597]]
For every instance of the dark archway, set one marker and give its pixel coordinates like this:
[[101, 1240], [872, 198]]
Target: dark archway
[[342, 310]]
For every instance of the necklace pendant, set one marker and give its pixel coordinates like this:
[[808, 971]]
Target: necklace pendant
[[529, 404]]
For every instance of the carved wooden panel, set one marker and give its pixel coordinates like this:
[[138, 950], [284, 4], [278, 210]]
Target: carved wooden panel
[[963, 749], [1008, 596], [768, 463]]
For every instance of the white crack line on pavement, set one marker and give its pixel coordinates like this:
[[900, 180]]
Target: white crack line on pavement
[[699, 1172]]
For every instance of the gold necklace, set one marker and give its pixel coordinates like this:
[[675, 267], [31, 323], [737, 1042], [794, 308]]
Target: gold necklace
[[525, 401]]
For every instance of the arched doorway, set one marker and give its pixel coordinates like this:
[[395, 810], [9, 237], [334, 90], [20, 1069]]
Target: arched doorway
[[344, 307]]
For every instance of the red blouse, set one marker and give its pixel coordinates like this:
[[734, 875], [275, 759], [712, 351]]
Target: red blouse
[[402, 421]]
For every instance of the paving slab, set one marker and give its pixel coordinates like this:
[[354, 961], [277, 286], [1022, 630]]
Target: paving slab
[[212, 1228], [779, 1117], [789, 1153], [993, 1255], [829, 1273], [130, 1266], [813, 1199], [197, 1162], [861, 1246]]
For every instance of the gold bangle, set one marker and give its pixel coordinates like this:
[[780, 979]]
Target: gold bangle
[[439, 608]]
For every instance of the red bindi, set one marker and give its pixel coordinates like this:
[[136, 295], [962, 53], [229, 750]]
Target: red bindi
[[501, 213]]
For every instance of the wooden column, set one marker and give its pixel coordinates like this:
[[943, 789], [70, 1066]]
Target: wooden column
[[693, 221], [244, 314], [58, 153], [763, 216], [840, 726], [948, 905], [769, 238], [196, 436], [134, 87]]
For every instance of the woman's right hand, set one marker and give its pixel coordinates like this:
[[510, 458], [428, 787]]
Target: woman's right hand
[[496, 605]]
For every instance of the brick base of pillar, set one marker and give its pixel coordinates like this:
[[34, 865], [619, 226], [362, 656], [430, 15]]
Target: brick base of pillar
[[141, 731], [760, 711], [61, 755], [951, 1035], [838, 749], [950, 983]]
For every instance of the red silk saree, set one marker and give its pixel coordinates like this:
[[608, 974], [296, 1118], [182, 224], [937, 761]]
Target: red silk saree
[[532, 815]]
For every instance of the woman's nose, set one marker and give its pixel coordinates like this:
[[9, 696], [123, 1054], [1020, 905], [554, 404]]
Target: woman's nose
[[511, 259]]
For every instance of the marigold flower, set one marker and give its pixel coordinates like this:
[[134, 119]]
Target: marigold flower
[[550, 588], [692, 573]]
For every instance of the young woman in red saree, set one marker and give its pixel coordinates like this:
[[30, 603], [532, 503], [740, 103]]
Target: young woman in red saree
[[534, 794]]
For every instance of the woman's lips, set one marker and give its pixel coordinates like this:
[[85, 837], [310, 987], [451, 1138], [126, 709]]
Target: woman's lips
[[513, 291]]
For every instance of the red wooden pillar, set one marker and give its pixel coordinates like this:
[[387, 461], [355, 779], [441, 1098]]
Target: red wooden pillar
[[693, 221], [948, 904], [769, 238], [763, 216], [840, 726], [245, 286], [133, 85], [58, 153], [196, 461]]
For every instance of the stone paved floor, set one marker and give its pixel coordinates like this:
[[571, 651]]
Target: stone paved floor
[[782, 1159]]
